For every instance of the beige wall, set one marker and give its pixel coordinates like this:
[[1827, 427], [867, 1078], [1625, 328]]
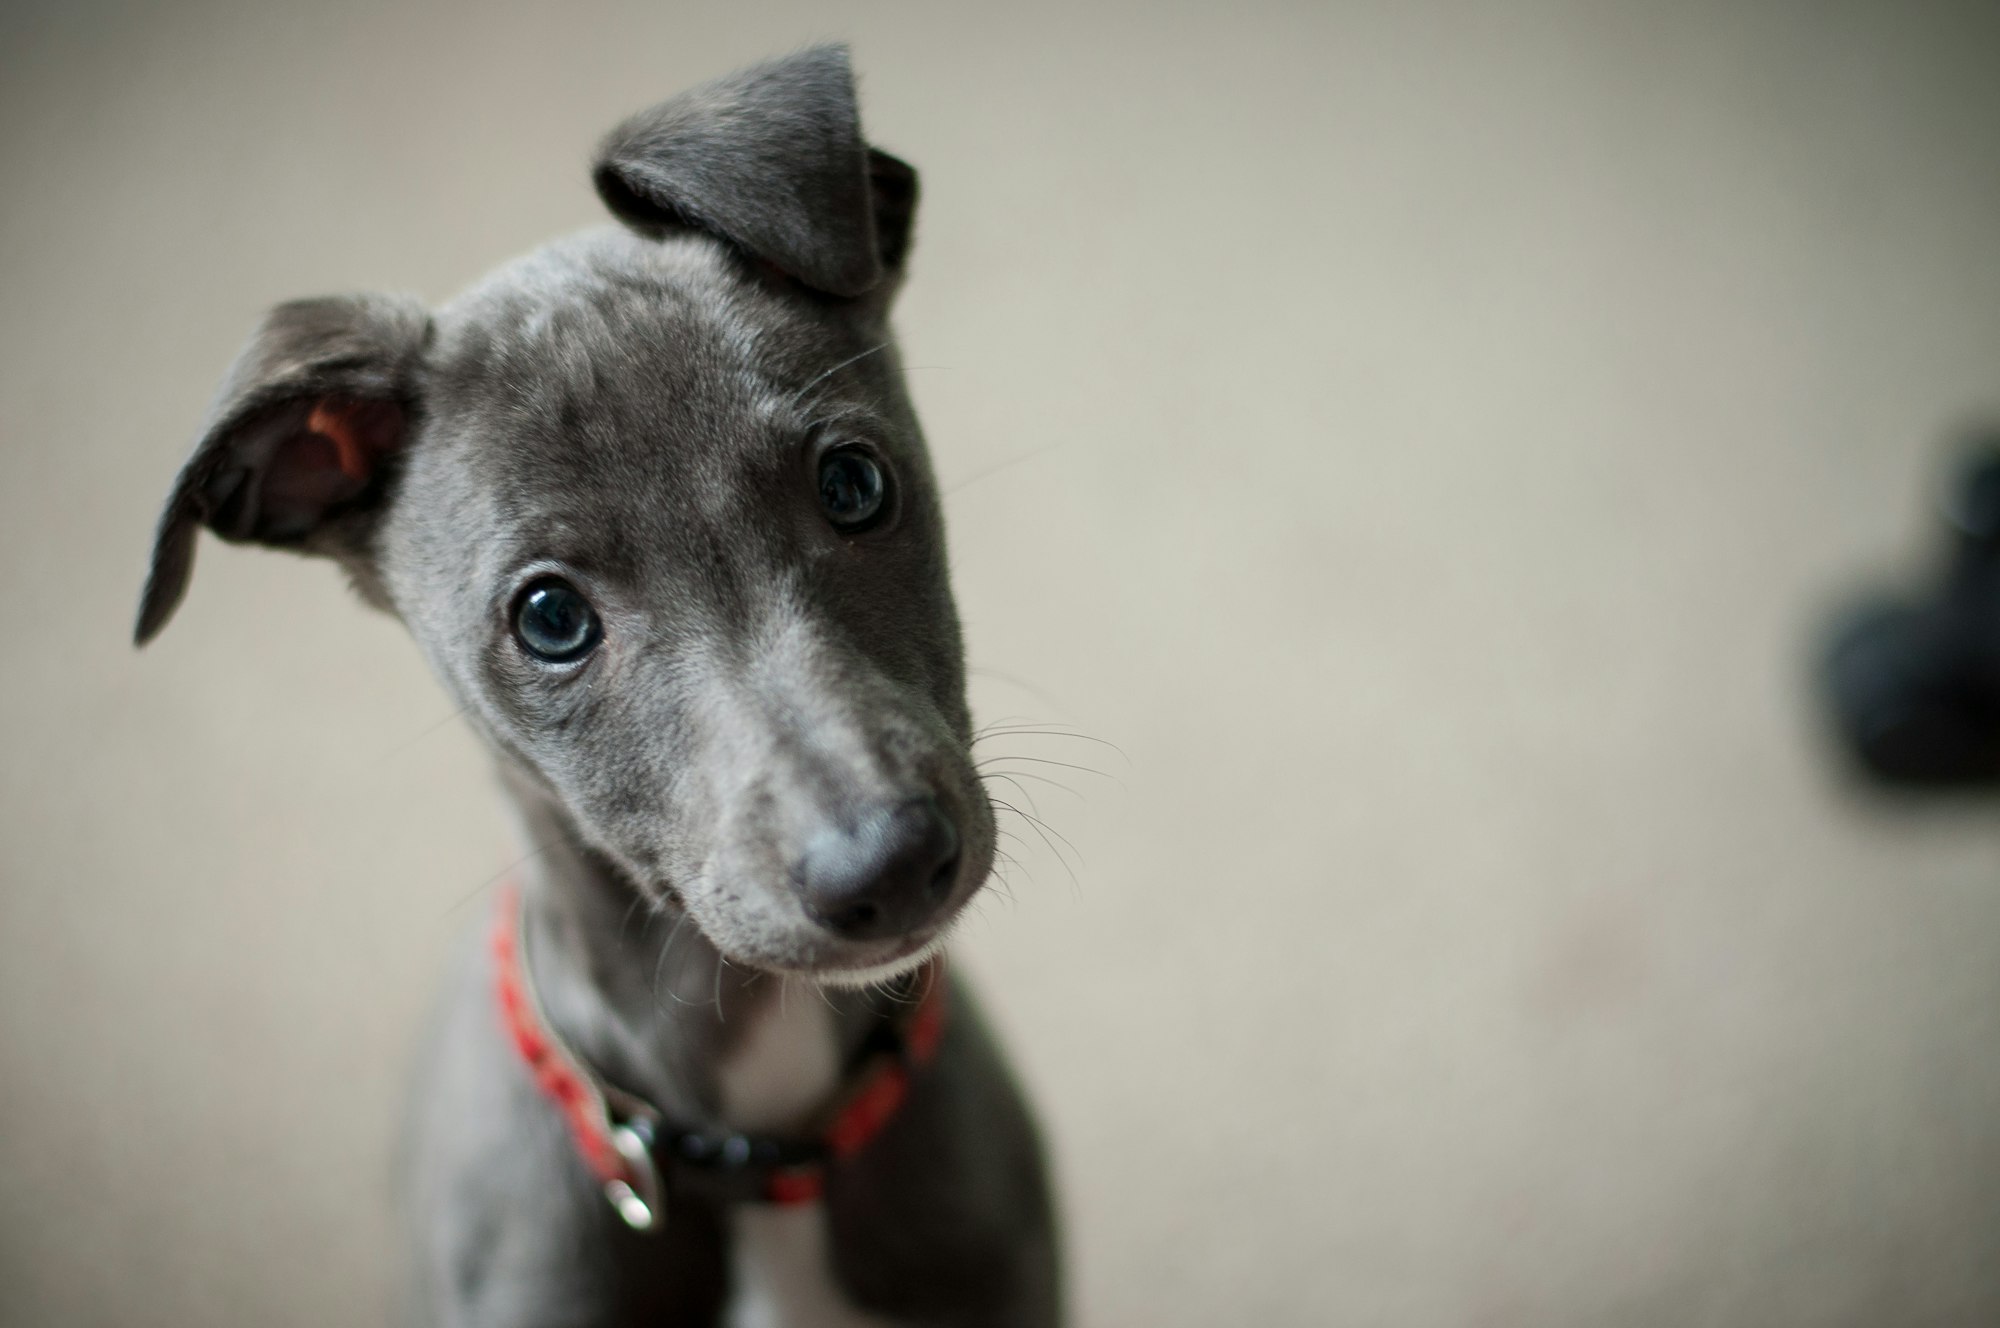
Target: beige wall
[[1443, 427]]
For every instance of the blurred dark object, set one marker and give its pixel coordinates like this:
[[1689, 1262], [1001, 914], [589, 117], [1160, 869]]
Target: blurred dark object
[[1914, 683]]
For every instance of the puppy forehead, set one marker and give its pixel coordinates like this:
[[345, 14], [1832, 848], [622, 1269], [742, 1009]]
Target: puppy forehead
[[629, 407], [649, 363]]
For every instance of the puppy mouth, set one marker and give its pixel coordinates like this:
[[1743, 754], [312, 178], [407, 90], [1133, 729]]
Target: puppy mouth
[[865, 966], [821, 957]]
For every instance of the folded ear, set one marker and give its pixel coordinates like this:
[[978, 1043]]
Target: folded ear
[[770, 159], [294, 448]]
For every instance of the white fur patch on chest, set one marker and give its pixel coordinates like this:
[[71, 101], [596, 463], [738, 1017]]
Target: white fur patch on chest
[[781, 1275], [785, 1068]]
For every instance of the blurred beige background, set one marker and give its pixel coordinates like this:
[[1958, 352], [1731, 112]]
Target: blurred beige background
[[1423, 438]]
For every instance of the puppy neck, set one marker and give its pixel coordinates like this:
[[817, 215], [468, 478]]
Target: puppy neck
[[636, 989]]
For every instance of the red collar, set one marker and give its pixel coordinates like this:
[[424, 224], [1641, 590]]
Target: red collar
[[624, 1140]]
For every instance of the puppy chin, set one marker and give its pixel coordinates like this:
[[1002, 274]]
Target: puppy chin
[[796, 948], [870, 975], [853, 966]]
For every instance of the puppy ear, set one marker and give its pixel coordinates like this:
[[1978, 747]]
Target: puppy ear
[[770, 159], [294, 448]]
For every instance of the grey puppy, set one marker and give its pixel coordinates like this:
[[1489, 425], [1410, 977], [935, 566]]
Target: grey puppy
[[655, 506]]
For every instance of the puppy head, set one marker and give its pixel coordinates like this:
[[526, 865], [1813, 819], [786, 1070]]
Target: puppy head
[[655, 506]]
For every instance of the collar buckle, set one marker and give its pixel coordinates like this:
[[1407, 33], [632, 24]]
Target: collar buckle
[[620, 1136], [637, 1196]]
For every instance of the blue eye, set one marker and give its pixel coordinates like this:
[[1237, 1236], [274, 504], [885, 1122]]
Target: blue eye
[[853, 490], [554, 622]]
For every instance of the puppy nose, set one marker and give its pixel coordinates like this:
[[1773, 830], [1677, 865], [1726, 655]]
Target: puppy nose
[[884, 877]]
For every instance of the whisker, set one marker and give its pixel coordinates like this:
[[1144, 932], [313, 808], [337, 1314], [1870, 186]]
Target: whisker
[[1008, 464], [1001, 774], [1013, 838], [660, 966], [1025, 731], [1041, 828], [639, 901], [852, 359], [1043, 760], [419, 736], [1039, 693], [1029, 774], [480, 889], [721, 962], [1040, 824], [999, 879], [984, 729]]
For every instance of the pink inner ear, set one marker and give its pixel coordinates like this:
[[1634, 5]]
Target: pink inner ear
[[360, 431], [326, 459]]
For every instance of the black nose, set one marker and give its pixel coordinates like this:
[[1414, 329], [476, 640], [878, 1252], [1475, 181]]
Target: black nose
[[885, 876]]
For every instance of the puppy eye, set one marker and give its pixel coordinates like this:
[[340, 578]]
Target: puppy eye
[[853, 489], [554, 622]]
